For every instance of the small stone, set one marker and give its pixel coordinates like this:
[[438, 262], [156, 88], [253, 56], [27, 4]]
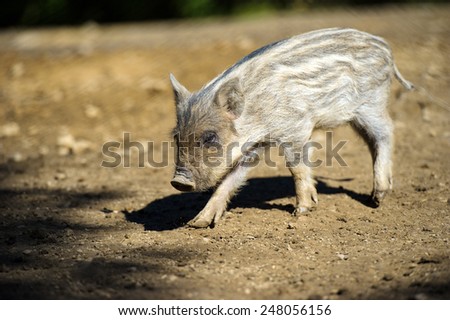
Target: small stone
[[387, 277], [420, 188], [60, 176], [91, 111], [291, 225], [17, 157], [172, 278], [27, 252], [342, 256], [132, 269], [339, 291], [82, 146], [68, 145], [9, 129]]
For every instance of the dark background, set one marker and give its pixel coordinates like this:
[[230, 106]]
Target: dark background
[[67, 12]]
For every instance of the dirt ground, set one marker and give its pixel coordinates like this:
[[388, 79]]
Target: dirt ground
[[72, 229]]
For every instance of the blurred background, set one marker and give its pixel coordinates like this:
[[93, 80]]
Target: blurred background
[[57, 12]]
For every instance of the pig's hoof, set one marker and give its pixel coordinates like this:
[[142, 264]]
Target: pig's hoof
[[199, 223], [300, 211], [377, 197]]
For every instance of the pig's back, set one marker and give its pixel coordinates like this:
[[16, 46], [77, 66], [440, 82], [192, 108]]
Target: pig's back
[[316, 59], [324, 72]]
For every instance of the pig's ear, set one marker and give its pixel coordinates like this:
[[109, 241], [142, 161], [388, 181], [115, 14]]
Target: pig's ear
[[230, 97], [180, 92]]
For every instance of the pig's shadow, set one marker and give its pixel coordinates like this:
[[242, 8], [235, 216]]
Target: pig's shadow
[[176, 210]]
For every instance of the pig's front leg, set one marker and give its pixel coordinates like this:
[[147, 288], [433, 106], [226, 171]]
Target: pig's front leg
[[305, 190], [217, 205]]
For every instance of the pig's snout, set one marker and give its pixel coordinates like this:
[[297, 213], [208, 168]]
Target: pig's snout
[[183, 180]]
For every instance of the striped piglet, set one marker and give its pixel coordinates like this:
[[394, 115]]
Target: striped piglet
[[280, 93]]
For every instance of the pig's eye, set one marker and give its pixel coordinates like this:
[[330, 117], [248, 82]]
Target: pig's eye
[[209, 138]]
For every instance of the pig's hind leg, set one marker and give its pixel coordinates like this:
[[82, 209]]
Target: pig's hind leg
[[305, 189], [375, 127]]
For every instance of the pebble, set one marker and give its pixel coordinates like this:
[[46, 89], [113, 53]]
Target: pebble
[[10, 129], [67, 144], [91, 111], [17, 157], [291, 225], [387, 277], [339, 291], [132, 269], [342, 256], [60, 176], [170, 277]]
